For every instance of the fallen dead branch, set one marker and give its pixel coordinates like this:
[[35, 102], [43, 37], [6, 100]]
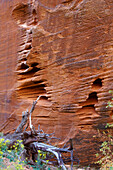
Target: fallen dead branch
[[35, 140]]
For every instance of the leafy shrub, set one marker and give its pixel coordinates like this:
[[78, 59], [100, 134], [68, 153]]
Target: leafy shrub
[[105, 157], [13, 154]]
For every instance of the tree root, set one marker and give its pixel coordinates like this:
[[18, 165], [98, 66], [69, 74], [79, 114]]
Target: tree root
[[35, 140]]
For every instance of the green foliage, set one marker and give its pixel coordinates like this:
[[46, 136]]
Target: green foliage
[[13, 154], [110, 103], [16, 166], [105, 156], [39, 164]]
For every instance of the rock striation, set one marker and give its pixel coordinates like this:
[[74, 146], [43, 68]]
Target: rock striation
[[62, 50]]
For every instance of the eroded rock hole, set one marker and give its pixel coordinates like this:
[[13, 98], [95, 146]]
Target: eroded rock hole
[[93, 96], [90, 105], [36, 87], [87, 113], [23, 59], [21, 13], [34, 64], [29, 72], [91, 100], [34, 70], [97, 84], [44, 98], [40, 82], [24, 66], [28, 47], [34, 12]]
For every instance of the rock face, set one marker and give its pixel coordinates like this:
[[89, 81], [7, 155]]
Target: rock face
[[62, 50]]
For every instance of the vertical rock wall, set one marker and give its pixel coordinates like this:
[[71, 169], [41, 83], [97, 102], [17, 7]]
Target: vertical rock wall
[[62, 50], [8, 59]]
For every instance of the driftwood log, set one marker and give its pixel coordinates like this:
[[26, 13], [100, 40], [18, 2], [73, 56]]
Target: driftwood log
[[35, 140]]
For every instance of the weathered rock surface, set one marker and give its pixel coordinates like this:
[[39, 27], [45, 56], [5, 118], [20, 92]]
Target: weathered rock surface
[[62, 50]]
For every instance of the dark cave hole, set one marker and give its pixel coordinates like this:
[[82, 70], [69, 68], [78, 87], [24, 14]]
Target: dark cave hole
[[40, 82], [40, 86], [34, 12], [91, 100], [34, 70], [44, 97], [90, 105], [35, 87], [23, 59], [93, 96], [29, 41], [30, 33], [97, 83], [24, 66], [28, 47], [34, 64]]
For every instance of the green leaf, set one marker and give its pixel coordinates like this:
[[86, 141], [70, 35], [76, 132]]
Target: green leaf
[[110, 91], [97, 154]]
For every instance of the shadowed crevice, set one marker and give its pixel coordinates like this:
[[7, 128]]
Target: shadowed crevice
[[97, 84]]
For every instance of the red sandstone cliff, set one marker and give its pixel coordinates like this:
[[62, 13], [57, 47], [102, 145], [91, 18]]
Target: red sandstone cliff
[[62, 50]]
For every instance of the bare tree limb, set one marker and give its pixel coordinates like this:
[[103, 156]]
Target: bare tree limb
[[51, 149], [31, 111], [25, 116], [33, 139], [23, 121]]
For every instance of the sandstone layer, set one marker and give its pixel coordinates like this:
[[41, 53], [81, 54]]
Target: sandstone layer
[[62, 50]]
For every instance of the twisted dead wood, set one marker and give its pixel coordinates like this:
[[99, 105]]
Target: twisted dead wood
[[35, 140]]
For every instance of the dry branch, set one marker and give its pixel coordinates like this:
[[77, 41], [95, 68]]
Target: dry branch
[[35, 140], [23, 122]]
